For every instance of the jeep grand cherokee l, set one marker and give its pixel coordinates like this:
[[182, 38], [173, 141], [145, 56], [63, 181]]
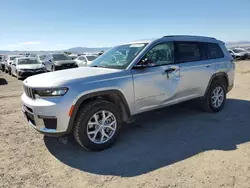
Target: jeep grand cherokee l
[[93, 102]]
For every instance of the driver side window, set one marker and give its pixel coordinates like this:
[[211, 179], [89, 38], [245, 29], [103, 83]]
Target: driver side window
[[161, 54]]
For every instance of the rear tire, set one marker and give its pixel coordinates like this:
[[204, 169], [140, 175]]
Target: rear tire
[[90, 134], [215, 98]]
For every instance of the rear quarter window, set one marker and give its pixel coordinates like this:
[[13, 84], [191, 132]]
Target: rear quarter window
[[214, 51]]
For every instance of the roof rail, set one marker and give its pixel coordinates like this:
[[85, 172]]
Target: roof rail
[[189, 36]]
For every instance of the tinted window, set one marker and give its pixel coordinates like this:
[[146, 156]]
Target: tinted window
[[81, 58], [27, 61], [214, 51], [91, 58], [188, 51], [12, 58], [161, 54], [58, 57], [42, 57]]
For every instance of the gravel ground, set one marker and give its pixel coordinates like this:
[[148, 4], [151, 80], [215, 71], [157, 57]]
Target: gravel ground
[[175, 147]]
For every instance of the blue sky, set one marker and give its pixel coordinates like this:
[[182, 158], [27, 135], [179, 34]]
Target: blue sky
[[62, 24]]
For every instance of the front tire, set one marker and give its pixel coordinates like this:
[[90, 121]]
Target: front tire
[[97, 125], [53, 68], [216, 97]]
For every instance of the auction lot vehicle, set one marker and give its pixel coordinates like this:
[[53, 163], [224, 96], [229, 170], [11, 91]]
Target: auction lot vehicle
[[41, 58], [93, 102], [26, 66], [239, 54], [8, 61], [85, 60], [54, 62], [2, 59]]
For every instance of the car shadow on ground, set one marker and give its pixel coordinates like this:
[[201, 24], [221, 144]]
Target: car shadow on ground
[[161, 138], [3, 81]]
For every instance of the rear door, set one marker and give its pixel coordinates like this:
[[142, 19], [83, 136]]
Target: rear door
[[195, 69], [156, 85]]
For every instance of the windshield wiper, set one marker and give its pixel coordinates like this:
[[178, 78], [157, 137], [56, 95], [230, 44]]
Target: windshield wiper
[[103, 66]]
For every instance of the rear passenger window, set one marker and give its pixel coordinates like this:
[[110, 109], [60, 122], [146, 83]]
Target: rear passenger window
[[187, 52], [214, 51]]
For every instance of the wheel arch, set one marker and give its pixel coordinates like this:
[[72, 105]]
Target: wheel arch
[[218, 76], [113, 95]]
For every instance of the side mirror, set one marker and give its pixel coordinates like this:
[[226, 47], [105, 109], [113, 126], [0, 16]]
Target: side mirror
[[143, 64], [43, 63], [50, 61], [13, 64]]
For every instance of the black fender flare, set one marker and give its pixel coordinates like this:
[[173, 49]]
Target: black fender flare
[[214, 76], [96, 94]]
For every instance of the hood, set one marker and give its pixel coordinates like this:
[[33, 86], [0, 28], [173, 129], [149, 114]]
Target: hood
[[58, 78], [30, 66], [63, 62]]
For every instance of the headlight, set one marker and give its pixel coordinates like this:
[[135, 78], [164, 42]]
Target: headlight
[[51, 92]]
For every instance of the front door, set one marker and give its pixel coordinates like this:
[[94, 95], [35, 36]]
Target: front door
[[156, 85]]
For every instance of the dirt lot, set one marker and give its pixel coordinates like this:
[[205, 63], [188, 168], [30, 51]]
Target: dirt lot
[[175, 147]]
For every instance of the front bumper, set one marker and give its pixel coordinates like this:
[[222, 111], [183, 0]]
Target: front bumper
[[25, 74], [49, 117]]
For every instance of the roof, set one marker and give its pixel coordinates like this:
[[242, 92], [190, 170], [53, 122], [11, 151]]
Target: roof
[[140, 41], [178, 37]]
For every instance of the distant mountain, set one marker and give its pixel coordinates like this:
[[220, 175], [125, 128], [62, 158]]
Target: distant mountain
[[85, 49], [238, 44]]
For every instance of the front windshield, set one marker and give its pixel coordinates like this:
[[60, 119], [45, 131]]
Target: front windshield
[[119, 57], [42, 57], [91, 57], [27, 61], [59, 57], [238, 50], [13, 57]]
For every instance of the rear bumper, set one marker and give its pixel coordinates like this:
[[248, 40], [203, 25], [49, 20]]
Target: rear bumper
[[230, 88]]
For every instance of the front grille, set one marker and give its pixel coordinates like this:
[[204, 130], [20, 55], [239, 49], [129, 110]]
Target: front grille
[[29, 92], [69, 65]]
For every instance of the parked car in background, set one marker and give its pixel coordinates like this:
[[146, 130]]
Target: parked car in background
[[31, 55], [93, 102], [73, 56], [59, 61], [8, 61], [41, 58], [238, 53], [247, 51], [24, 67], [85, 60], [2, 59]]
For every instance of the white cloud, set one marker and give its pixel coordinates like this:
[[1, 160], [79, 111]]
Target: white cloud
[[30, 42], [13, 45]]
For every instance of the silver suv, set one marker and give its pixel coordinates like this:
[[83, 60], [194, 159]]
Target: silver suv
[[93, 102]]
